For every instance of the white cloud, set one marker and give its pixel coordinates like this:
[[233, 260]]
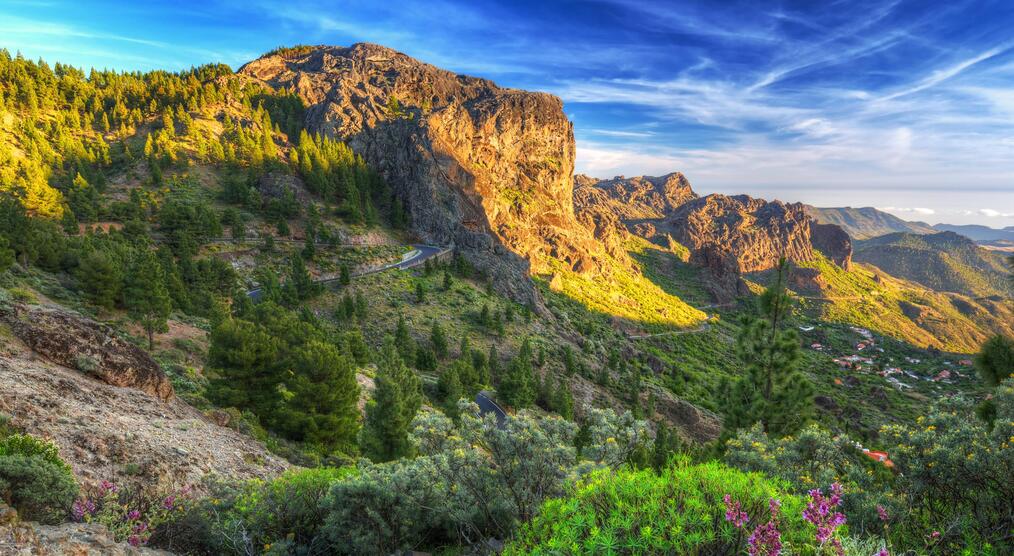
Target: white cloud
[[992, 213], [914, 210]]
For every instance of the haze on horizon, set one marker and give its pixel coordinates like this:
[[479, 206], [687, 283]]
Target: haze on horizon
[[905, 106]]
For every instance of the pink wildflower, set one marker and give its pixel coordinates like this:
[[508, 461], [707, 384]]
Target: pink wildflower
[[766, 540], [82, 509], [734, 512], [882, 513], [821, 512], [133, 515]]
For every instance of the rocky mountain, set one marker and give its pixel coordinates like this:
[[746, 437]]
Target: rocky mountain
[[727, 235], [641, 197], [740, 234], [942, 261], [865, 222], [480, 167]]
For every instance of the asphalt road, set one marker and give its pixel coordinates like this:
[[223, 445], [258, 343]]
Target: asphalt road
[[417, 256]]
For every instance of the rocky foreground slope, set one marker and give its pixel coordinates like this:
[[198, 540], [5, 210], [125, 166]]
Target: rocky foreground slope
[[480, 167], [109, 407]]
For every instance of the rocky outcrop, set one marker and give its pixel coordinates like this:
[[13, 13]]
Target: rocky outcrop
[[735, 235], [480, 167], [641, 197], [833, 243], [92, 348], [26, 538], [752, 233], [121, 434]]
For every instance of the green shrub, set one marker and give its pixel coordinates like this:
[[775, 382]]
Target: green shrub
[[33, 478], [281, 516], [679, 511], [288, 507]]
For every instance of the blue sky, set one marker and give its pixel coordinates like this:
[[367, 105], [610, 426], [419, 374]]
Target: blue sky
[[907, 106]]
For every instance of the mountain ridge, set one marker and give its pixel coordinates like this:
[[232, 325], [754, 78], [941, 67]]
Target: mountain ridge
[[865, 222]]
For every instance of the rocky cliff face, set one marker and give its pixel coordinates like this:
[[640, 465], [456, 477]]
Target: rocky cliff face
[[641, 197], [727, 235], [480, 167]]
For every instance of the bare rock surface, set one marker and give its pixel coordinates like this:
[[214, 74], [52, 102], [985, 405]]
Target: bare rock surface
[[642, 197], [480, 167], [78, 342], [25, 538], [121, 434]]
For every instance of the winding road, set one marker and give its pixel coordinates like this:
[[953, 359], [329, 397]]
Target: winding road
[[419, 254]]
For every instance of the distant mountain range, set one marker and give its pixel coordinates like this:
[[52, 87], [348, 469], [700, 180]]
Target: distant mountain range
[[979, 233], [866, 222], [942, 261]]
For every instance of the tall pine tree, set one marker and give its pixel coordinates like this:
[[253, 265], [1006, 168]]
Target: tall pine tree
[[772, 390], [145, 295], [396, 399]]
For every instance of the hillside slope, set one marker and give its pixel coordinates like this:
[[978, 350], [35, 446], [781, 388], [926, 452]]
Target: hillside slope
[[942, 261], [865, 222]]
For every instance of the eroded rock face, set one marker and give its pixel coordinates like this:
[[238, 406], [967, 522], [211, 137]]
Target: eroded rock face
[[833, 242], [642, 197], [121, 434], [90, 347], [483, 168], [729, 236], [752, 232]]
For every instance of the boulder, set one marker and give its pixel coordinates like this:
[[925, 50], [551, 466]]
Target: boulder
[[78, 342]]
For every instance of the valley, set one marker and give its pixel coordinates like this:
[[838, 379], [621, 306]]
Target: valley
[[276, 294]]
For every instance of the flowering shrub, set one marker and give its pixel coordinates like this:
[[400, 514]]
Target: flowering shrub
[[681, 510], [813, 458], [822, 512], [129, 515], [957, 473]]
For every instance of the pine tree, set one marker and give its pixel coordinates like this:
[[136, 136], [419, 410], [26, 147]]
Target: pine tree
[[450, 390], [420, 293], [563, 401], [439, 340], [345, 276], [772, 391], [403, 340], [300, 285], [517, 386], [425, 360], [447, 281], [396, 399], [145, 295], [995, 360], [100, 277], [362, 308], [6, 255], [493, 363], [323, 407]]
